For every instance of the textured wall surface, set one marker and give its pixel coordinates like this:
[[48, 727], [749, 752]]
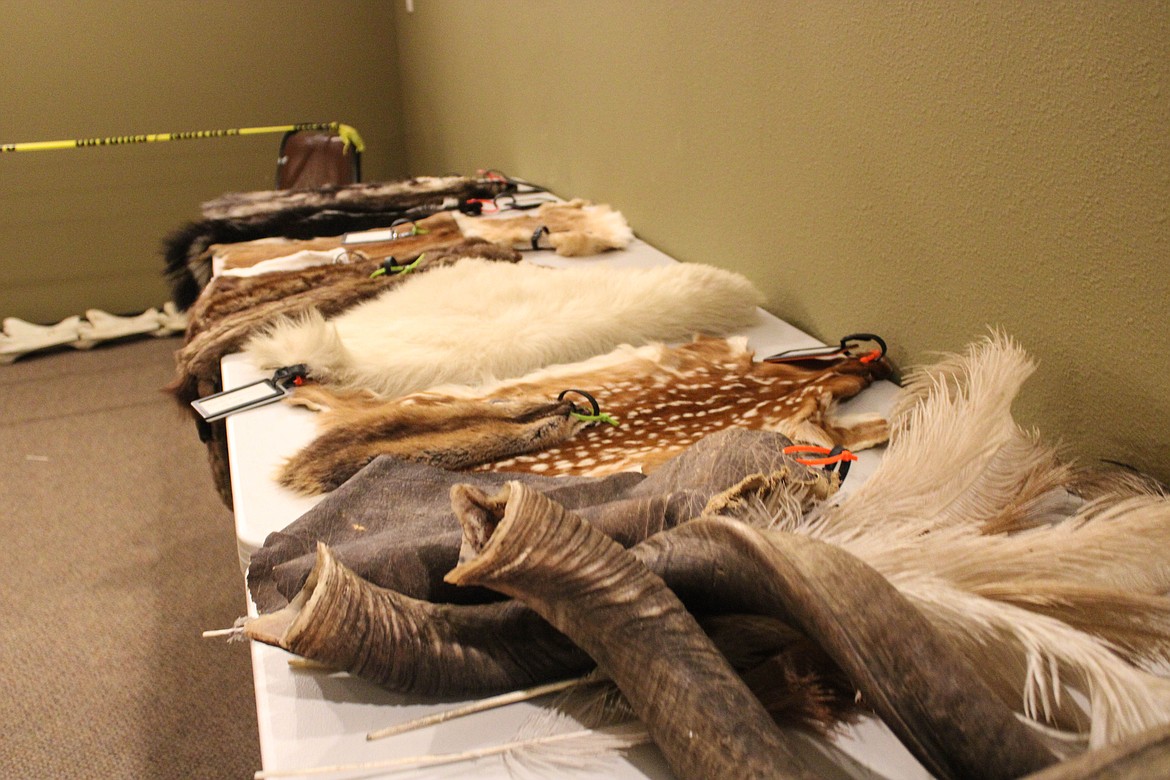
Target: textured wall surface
[[81, 228], [922, 170]]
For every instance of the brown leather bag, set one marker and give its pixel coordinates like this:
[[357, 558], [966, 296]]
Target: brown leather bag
[[316, 158]]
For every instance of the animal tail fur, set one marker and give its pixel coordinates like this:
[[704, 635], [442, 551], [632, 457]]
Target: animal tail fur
[[309, 339]]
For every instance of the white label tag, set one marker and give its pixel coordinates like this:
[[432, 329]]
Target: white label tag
[[370, 236], [220, 405]]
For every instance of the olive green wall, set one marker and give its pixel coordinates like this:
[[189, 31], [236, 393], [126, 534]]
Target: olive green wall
[[920, 170], [82, 228]]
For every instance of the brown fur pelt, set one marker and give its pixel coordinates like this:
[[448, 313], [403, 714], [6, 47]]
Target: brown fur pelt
[[454, 435], [186, 250], [574, 229], [367, 196], [665, 399], [434, 232], [233, 308]]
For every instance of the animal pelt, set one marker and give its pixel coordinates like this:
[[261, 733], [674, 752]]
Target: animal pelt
[[226, 296], [186, 250], [434, 232], [234, 309], [367, 196], [454, 435], [665, 399], [477, 322], [574, 229], [393, 522]]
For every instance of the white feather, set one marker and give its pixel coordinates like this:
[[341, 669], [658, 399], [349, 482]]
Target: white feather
[[957, 468], [1123, 700], [942, 446]]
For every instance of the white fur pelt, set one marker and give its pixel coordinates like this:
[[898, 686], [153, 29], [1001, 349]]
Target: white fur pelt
[[479, 321]]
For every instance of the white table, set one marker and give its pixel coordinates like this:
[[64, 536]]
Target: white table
[[310, 718]]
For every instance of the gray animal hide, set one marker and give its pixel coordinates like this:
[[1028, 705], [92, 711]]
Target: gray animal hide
[[393, 523], [367, 196]]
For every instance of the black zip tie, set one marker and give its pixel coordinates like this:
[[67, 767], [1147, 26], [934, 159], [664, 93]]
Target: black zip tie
[[291, 375], [804, 353], [516, 205], [592, 401], [842, 465], [864, 337]]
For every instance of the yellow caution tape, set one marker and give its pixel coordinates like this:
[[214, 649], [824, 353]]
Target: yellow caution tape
[[348, 135]]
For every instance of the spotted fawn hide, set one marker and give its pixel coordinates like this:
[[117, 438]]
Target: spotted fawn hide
[[326, 211], [665, 398], [477, 322]]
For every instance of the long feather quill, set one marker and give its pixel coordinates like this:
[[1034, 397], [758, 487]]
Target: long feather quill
[[602, 708], [1123, 700], [929, 473], [989, 532]]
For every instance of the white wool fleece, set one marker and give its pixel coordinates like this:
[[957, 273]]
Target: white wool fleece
[[479, 321]]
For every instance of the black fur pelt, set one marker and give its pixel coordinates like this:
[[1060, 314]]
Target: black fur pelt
[[186, 255]]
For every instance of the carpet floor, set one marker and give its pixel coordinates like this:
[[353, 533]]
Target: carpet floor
[[116, 555]]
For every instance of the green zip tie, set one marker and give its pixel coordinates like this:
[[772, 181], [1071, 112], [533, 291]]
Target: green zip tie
[[599, 417], [410, 267], [405, 269]]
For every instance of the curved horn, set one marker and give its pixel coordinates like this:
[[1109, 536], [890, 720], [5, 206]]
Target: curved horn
[[701, 715], [413, 646], [627, 620]]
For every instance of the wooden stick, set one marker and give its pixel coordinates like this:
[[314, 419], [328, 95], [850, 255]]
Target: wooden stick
[[489, 703]]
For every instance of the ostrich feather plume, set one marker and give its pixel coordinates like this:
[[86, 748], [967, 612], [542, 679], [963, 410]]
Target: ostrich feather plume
[[1051, 595]]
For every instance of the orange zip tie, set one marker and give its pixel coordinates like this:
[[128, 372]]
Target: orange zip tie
[[831, 458], [484, 203], [491, 175]]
